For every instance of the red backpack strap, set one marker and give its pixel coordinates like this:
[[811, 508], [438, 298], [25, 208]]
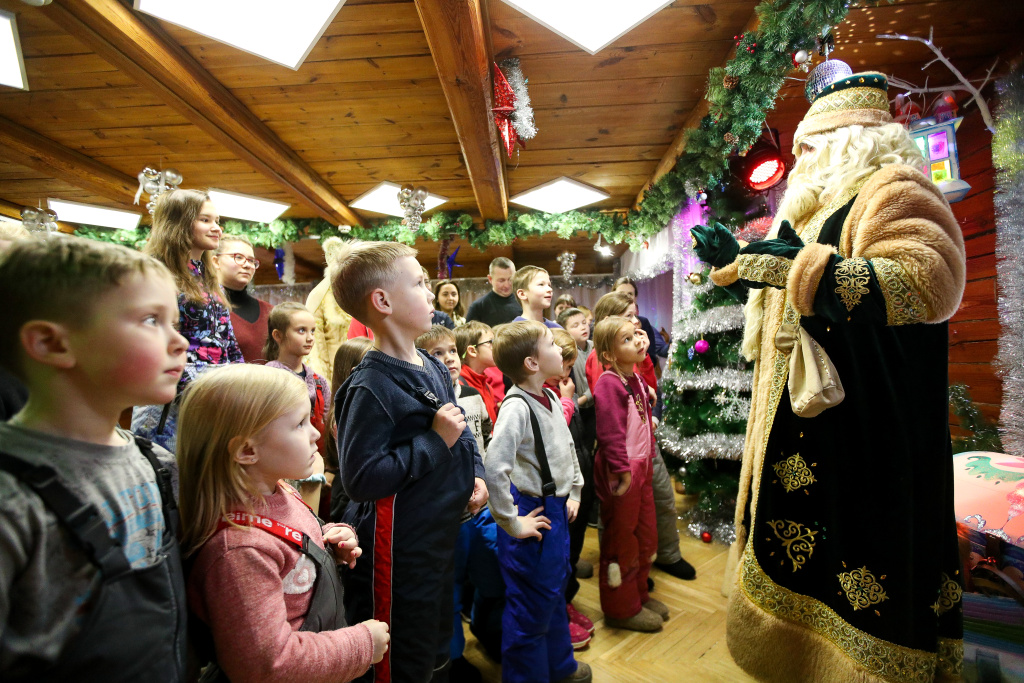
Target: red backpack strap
[[286, 533]]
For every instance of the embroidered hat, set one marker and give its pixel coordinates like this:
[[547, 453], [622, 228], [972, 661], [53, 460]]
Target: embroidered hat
[[857, 100]]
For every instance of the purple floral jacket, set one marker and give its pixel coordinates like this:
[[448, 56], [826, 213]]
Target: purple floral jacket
[[207, 326]]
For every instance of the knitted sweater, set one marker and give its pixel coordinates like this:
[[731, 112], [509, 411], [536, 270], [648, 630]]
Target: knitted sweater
[[512, 457], [254, 590]]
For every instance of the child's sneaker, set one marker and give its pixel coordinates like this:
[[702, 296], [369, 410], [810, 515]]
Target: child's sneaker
[[584, 569], [578, 618], [644, 621], [582, 674], [579, 636]]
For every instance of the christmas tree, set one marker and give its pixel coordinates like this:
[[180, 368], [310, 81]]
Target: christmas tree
[[707, 399]]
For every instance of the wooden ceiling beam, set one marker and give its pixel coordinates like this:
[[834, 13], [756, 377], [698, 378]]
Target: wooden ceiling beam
[[458, 35], [29, 148], [678, 146], [139, 49]]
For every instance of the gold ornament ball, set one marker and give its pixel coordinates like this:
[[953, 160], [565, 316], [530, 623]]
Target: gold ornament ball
[[696, 278]]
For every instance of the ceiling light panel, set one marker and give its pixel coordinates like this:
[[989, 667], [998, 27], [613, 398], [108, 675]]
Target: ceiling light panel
[[559, 195], [384, 199], [245, 207], [90, 214], [12, 66], [283, 31], [590, 24]]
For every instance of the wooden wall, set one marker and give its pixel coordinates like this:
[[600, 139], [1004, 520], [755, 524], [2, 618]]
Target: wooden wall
[[974, 330]]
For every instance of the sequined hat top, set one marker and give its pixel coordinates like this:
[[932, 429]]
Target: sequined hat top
[[859, 99]]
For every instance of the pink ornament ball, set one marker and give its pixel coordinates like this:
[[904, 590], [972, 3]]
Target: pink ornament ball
[[701, 346]]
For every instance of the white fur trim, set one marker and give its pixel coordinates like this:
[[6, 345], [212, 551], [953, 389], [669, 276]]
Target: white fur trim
[[300, 579], [614, 575], [654, 557]]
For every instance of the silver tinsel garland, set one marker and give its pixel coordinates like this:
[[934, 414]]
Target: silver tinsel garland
[[711, 321], [1008, 158], [727, 378], [711, 445], [721, 530], [522, 117]]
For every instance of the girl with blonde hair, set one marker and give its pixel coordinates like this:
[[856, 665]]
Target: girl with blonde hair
[[186, 232], [262, 580]]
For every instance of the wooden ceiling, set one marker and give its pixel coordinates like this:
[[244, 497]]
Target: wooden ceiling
[[395, 90]]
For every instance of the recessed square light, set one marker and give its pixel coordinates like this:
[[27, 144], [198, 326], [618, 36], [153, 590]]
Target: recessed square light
[[591, 24], [12, 66], [245, 207], [559, 195], [384, 199], [90, 214], [281, 31]]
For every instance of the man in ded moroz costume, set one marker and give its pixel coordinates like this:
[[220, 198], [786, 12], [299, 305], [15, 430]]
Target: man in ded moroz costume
[[846, 564]]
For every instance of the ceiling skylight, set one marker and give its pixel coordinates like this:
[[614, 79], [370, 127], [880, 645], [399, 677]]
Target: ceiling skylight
[[559, 195], [283, 31], [384, 199], [90, 214], [591, 24], [12, 67], [245, 207]]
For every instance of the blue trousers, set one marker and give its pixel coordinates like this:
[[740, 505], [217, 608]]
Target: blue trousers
[[476, 564], [535, 645]]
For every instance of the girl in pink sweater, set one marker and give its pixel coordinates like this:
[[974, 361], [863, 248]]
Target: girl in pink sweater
[[263, 576], [622, 476]]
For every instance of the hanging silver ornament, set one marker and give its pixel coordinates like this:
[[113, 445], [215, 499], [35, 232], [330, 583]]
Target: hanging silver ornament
[[171, 177], [567, 260]]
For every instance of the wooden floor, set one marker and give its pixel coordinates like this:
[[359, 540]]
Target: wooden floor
[[690, 648]]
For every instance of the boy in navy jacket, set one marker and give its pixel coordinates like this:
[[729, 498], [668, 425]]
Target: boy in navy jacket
[[407, 460]]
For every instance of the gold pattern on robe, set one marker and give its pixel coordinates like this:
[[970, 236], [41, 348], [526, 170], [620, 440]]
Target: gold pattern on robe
[[794, 473], [903, 303], [852, 276], [797, 539], [862, 588], [950, 594], [951, 656], [772, 270]]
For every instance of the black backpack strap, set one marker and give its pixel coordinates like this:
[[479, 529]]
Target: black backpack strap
[[421, 393], [82, 520], [548, 487], [163, 482]]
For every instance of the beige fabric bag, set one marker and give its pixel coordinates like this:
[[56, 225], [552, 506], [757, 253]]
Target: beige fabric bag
[[814, 383]]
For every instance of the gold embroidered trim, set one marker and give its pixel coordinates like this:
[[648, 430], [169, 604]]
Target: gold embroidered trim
[[794, 473], [950, 593], [772, 270], [851, 98], [797, 539], [903, 303], [862, 588], [879, 657], [951, 656], [852, 276]]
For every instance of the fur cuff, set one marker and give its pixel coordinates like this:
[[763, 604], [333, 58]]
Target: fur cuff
[[726, 275], [805, 274], [614, 575]]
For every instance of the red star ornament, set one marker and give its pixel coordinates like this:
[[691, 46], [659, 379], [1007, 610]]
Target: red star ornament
[[504, 101]]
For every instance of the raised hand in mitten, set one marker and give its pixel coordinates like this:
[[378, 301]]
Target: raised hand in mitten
[[714, 245], [786, 245]]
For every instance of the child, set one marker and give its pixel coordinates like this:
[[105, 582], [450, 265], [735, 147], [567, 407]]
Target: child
[[580, 626], [533, 290], [440, 342], [290, 334], [574, 321], [262, 582], [407, 459], [622, 476], [561, 303], [186, 232], [91, 584], [532, 466], [473, 343], [349, 354], [618, 304]]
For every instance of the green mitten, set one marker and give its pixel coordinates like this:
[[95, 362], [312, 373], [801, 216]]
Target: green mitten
[[715, 245]]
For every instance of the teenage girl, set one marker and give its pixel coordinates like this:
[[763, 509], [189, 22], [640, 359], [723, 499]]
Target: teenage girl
[[263, 583], [186, 233], [623, 466]]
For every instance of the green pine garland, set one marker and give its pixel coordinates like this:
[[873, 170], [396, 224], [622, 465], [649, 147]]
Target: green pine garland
[[984, 435], [785, 26]]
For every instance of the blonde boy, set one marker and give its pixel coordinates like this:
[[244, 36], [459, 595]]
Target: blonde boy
[[473, 341], [407, 460], [532, 286], [534, 482], [90, 329]]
